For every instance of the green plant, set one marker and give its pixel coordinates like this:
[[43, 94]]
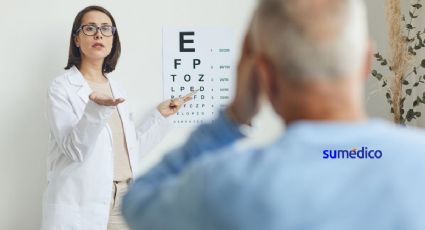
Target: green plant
[[402, 71]]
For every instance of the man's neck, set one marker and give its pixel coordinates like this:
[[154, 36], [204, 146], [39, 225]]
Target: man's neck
[[324, 101], [335, 106], [342, 115]]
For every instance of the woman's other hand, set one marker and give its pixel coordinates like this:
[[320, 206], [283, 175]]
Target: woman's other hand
[[105, 100], [170, 107]]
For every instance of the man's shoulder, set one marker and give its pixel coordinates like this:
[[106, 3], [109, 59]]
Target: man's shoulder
[[402, 135], [228, 166]]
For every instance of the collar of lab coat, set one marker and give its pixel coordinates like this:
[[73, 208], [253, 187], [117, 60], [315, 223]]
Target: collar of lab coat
[[76, 78]]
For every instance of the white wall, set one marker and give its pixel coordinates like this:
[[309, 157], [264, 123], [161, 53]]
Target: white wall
[[34, 44], [376, 104]]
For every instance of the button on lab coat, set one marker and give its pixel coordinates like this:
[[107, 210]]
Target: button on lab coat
[[80, 158]]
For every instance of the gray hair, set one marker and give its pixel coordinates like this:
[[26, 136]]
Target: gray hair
[[307, 40]]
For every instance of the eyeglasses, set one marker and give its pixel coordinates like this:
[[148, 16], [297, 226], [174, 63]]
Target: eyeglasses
[[91, 30]]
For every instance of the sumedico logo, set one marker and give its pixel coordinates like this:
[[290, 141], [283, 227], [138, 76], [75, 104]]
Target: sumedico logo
[[363, 153]]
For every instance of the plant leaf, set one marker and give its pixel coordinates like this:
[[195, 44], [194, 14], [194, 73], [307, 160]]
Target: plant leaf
[[412, 15], [402, 101], [415, 103], [417, 6], [411, 51], [410, 115]]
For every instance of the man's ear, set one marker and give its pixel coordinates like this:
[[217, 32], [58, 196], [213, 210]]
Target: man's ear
[[368, 60], [267, 74]]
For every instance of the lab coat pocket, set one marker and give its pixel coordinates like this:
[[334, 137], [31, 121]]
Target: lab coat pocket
[[61, 217]]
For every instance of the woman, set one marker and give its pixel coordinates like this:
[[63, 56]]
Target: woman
[[94, 145]]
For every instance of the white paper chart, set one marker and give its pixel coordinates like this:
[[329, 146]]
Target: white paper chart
[[200, 59]]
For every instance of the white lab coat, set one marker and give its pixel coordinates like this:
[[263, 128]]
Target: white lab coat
[[80, 159]]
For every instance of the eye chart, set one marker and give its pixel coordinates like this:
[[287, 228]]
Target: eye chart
[[201, 59]]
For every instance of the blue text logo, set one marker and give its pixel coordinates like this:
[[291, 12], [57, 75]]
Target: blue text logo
[[362, 153]]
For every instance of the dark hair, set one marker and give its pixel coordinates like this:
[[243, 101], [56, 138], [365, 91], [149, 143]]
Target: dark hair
[[74, 56]]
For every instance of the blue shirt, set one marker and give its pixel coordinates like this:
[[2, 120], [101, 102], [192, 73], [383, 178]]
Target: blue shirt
[[209, 184]]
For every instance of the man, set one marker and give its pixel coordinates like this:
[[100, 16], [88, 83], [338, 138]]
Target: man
[[333, 168]]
